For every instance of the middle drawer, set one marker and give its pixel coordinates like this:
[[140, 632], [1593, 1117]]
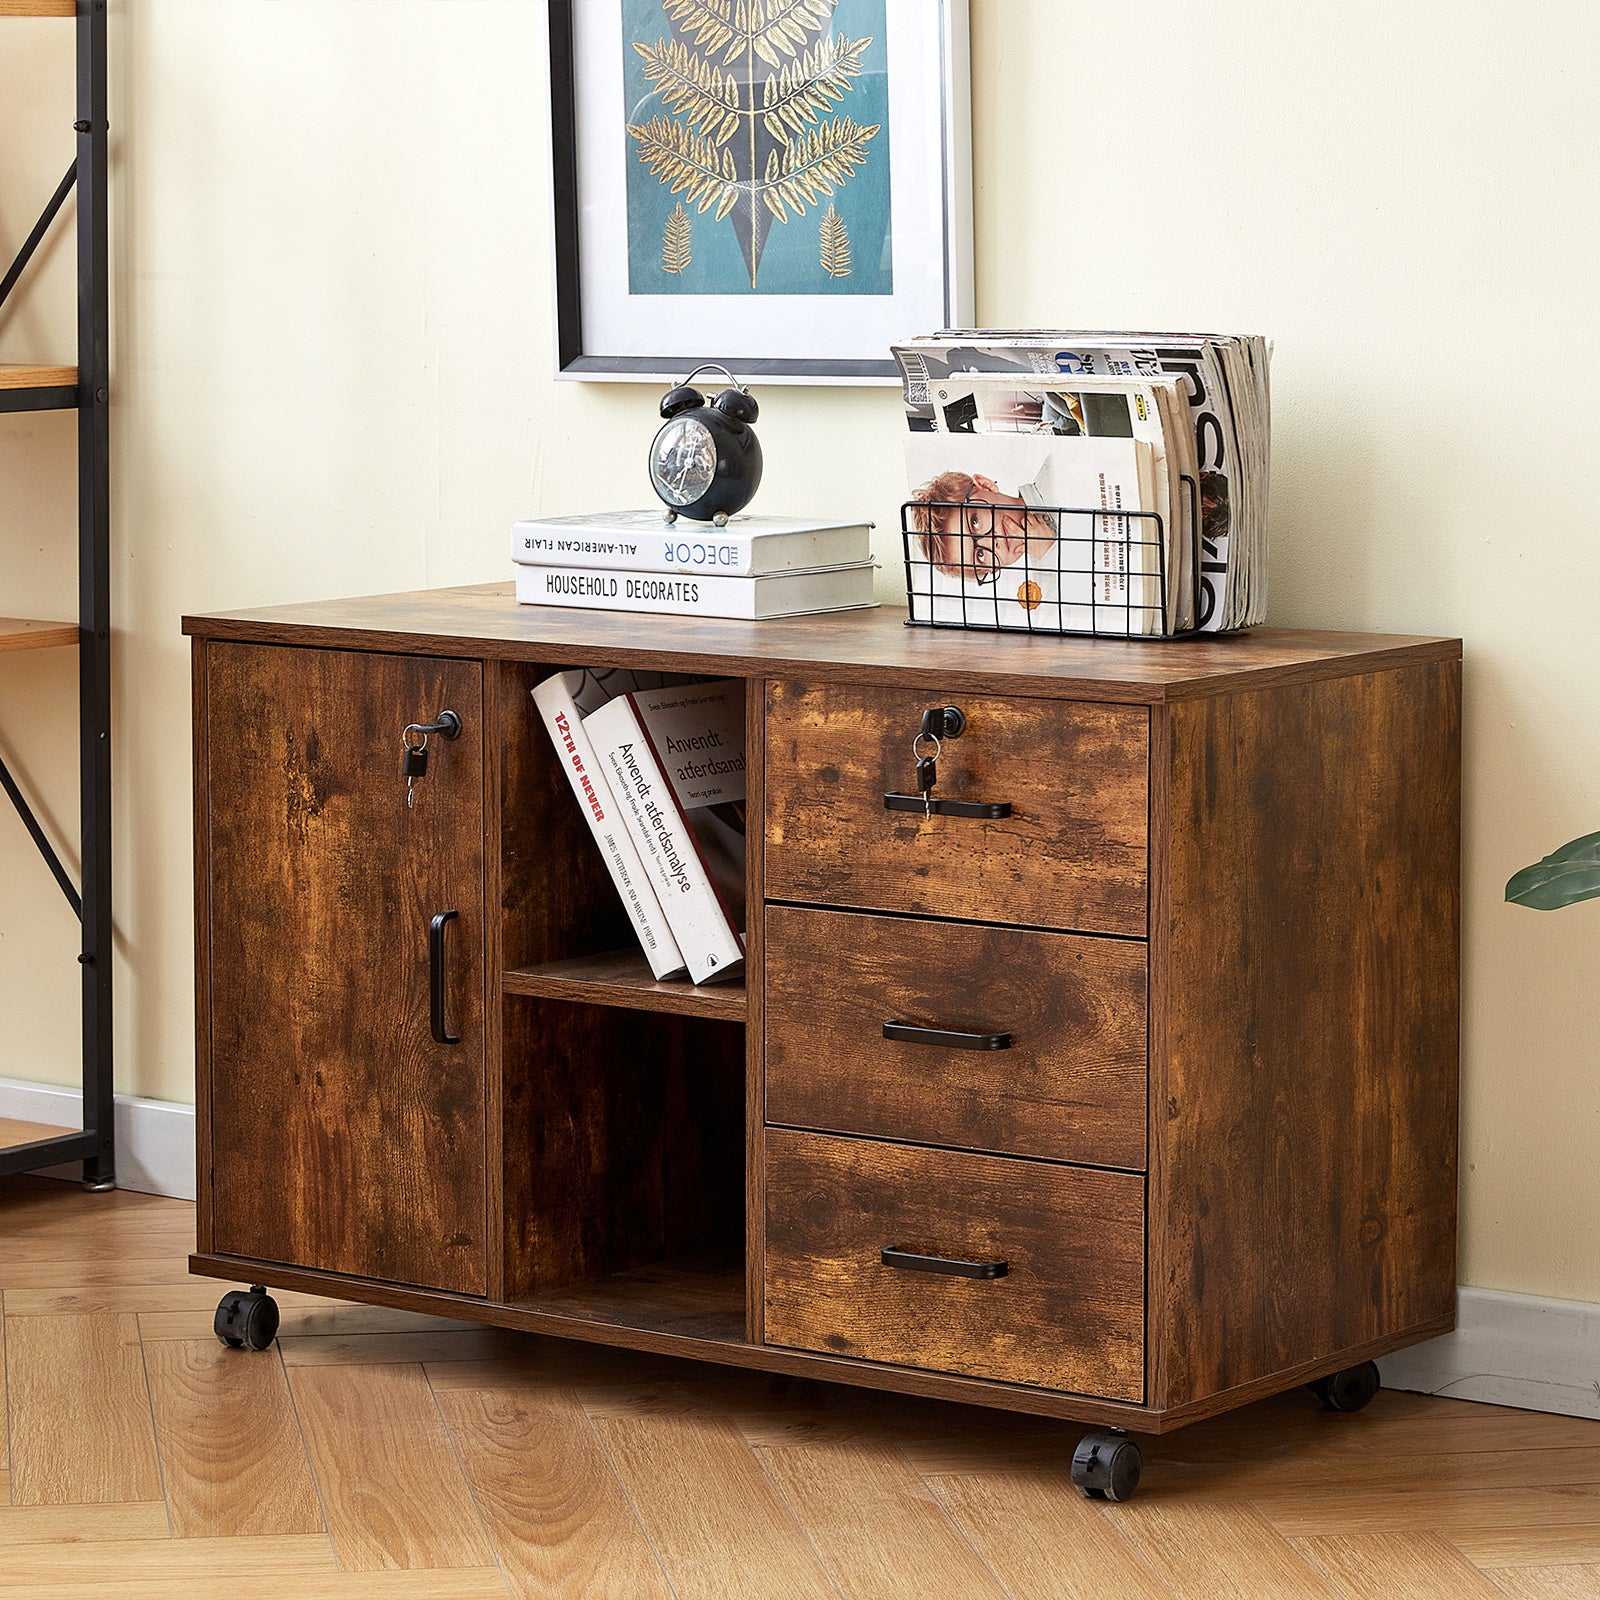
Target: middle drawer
[[983, 1038]]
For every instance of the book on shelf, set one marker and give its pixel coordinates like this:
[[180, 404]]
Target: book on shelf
[[563, 701], [674, 759], [1213, 395], [777, 594], [644, 541], [998, 550]]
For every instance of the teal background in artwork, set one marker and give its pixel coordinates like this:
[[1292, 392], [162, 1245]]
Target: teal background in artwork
[[790, 261]]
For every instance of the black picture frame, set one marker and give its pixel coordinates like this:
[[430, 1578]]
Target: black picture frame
[[573, 360]]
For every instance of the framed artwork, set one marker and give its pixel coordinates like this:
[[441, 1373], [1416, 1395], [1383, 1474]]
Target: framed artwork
[[784, 186]]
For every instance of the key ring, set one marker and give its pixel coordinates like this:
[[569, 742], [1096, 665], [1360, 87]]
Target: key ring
[[414, 728], [916, 752]]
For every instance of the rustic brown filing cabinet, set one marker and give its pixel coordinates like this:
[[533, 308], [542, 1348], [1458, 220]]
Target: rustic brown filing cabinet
[[1122, 1089]]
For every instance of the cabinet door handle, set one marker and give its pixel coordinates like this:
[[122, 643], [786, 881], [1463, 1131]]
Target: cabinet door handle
[[441, 1034], [990, 811], [909, 1261], [950, 1038]]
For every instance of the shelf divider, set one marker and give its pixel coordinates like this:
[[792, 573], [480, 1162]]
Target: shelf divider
[[623, 978]]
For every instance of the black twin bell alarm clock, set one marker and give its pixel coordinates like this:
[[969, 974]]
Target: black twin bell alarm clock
[[705, 462]]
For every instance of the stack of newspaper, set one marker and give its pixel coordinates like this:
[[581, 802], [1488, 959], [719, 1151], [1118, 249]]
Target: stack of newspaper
[[1071, 482]]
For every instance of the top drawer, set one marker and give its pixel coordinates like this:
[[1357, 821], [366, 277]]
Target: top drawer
[[1072, 853]]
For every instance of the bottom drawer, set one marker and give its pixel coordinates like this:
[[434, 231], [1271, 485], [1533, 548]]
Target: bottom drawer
[[1042, 1276]]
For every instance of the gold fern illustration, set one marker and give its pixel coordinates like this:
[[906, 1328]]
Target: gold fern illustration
[[675, 241], [758, 143], [835, 244]]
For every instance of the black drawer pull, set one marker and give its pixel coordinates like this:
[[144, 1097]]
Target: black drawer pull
[[436, 965], [989, 811], [909, 1261], [910, 1033]]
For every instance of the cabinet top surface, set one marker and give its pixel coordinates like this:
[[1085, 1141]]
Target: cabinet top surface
[[861, 646]]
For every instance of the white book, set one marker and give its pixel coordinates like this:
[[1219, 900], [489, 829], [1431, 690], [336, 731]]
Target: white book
[[779, 594], [563, 702], [675, 762], [644, 541]]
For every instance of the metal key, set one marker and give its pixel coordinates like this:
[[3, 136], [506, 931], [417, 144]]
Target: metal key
[[413, 764], [927, 771]]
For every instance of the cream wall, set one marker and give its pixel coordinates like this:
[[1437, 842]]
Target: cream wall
[[333, 360]]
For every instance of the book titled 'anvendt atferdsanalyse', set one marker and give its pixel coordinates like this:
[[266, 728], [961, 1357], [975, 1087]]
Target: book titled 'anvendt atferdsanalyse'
[[674, 760]]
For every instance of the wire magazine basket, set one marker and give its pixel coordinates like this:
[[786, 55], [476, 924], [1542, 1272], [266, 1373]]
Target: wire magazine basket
[[1083, 571]]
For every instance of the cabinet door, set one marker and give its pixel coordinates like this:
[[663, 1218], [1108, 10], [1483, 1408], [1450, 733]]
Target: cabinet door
[[344, 1135]]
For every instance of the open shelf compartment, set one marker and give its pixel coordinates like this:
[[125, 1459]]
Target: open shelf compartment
[[623, 1122]]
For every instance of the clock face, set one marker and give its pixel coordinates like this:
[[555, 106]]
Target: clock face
[[683, 461]]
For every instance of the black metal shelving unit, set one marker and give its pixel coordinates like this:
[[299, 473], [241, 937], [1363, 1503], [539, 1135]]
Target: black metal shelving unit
[[85, 389]]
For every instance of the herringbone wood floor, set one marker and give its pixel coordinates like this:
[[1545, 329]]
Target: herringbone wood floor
[[372, 1453]]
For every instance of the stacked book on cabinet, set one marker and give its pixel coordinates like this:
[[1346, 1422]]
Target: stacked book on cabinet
[[756, 567], [656, 762]]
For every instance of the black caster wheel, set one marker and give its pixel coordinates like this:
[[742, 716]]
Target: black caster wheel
[[1107, 1466], [247, 1321], [1349, 1390]]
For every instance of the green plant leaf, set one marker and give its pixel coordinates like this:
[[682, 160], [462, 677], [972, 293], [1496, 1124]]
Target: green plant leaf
[[1564, 877]]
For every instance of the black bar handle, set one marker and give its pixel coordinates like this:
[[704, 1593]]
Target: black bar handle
[[909, 1261], [441, 1034], [951, 1038], [989, 811]]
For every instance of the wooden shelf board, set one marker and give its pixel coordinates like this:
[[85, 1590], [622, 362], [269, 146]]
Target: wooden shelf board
[[28, 633], [695, 1298], [13, 1133], [13, 376], [38, 8], [623, 978]]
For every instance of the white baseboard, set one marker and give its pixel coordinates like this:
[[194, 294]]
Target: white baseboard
[[155, 1138], [1509, 1350]]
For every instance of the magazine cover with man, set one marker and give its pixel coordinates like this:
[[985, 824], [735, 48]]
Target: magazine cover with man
[[1034, 532]]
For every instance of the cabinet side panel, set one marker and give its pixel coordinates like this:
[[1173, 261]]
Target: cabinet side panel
[[202, 948], [755, 966], [1311, 1034], [494, 716]]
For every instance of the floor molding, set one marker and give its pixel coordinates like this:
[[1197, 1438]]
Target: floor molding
[[1509, 1350], [155, 1138]]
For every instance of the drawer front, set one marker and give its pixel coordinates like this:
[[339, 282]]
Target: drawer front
[[1068, 1312], [1051, 1061], [1071, 854]]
